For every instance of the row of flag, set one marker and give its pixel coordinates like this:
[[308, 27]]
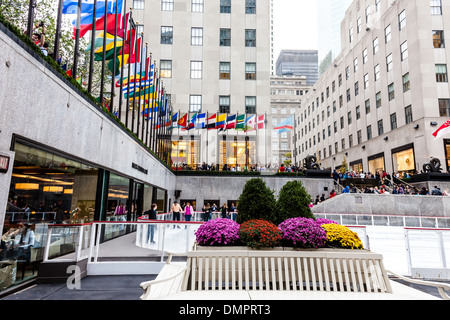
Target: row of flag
[[217, 121]]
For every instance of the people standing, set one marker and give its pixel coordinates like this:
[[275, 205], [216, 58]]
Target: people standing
[[224, 211], [151, 215], [176, 212], [188, 211]]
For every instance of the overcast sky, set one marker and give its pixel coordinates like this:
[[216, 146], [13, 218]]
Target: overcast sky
[[295, 25]]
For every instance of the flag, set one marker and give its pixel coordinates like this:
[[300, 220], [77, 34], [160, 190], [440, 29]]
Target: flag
[[100, 25], [201, 121], [87, 7], [286, 125], [443, 130], [211, 122], [175, 117], [240, 122], [231, 122], [260, 121], [183, 121], [251, 123], [192, 122], [220, 121], [109, 49]]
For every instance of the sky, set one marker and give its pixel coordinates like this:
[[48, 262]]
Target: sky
[[295, 25]]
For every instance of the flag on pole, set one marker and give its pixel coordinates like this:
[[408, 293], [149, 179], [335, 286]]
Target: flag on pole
[[443, 130], [240, 122], [87, 7], [183, 121], [201, 118], [260, 122], [251, 123], [211, 122], [220, 122], [231, 122], [286, 125]]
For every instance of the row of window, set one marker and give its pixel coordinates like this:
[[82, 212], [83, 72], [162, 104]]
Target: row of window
[[198, 5], [195, 104], [197, 36], [197, 70], [359, 136]]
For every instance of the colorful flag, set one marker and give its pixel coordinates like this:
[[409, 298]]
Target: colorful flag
[[250, 123], [87, 7], [211, 122], [260, 122], [286, 125], [443, 130], [201, 121], [175, 117], [100, 25], [183, 121], [240, 122], [220, 121]]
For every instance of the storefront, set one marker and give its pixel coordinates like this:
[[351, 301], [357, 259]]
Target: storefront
[[356, 166], [403, 159], [376, 163]]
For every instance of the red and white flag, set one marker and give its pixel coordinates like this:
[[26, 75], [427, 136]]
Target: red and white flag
[[443, 130], [260, 121]]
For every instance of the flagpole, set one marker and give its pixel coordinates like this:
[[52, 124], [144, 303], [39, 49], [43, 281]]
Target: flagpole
[[125, 31], [91, 58], [135, 76], [113, 82], [77, 42], [131, 50], [148, 103], [156, 83], [145, 85], [104, 51], [178, 139], [140, 89], [31, 8], [58, 30]]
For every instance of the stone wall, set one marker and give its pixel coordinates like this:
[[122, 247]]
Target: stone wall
[[386, 204]]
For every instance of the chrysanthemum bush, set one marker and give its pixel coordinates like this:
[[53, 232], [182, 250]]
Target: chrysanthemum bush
[[218, 232], [259, 234], [302, 233], [342, 237]]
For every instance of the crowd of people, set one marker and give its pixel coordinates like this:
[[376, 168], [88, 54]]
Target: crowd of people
[[237, 167]]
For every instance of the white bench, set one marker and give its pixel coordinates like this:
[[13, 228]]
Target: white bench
[[228, 274]]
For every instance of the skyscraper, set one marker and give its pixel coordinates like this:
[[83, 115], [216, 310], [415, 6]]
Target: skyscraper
[[298, 63]]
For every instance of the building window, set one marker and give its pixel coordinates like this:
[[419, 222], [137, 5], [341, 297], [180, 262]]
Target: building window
[[359, 136], [378, 99], [195, 103], [225, 37], [350, 141], [225, 6], [444, 107], [387, 34], [366, 81], [166, 5], [250, 38], [139, 4], [348, 97], [166, 35], [224, 70], [380, 127], [438, 39], [350, 35], [196, 69], [250, 71], [224, 104], [441, 73], [406, 83], [402, 20], [367, 104], [367, 14], [250, 105], [404, 50], [342, 122], [355, 65], [347, 73], [436, 7], [408, 114], [335, 126], [369, 132], [356, 88], [250, 6], [393, 121], [375, 46], [196, 36], [365, 57], [358, 112], [389, 63], [197, 6], [358, 25], [166, 68], [377, 72], [349, 117], [391, 92], [343, 144]]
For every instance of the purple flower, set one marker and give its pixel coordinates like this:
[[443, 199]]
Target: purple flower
[[218, 232], [303, 233], [322, 221]]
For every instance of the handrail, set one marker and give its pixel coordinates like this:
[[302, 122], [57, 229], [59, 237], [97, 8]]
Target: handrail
[[442, 287]]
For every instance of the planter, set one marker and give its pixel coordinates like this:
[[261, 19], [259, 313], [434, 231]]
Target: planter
[[246, 249]]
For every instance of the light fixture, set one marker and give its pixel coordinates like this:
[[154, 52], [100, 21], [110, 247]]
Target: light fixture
[[68, 191], [433, 123], [386, 138], [27, 186], [54, 189]]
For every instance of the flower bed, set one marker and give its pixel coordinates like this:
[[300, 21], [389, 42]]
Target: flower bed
[[296, 233]]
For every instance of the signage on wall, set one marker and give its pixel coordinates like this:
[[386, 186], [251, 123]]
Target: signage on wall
[[139, 168], [4, 164]]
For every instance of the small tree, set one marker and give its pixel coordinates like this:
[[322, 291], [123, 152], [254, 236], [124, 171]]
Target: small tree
[[293, 202], [256, 201]]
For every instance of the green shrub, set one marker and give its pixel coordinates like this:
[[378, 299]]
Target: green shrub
[[293, 201], [256, 201]]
